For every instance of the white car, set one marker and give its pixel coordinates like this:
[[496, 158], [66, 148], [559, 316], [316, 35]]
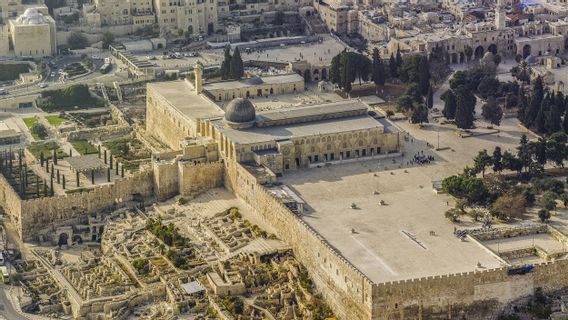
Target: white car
[[95, 57], [42, 85]]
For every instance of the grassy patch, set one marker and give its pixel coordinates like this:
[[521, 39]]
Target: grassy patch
[[127, 151], [29, 123], [47, 149], [55, 121], [84, 147], [12, 71], [69, 98]]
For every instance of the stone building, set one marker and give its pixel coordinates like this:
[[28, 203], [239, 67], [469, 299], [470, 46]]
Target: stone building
[[193, 17], [281, 139], [33, 34], [256, 87]]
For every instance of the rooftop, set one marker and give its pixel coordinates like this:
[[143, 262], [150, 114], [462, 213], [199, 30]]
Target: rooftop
[[285, 132], [182, 97], [249, 82]]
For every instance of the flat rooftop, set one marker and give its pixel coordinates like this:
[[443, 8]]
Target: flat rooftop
[[332, 108], [284, 132], [392, 241], [254, 81], [182, 97]]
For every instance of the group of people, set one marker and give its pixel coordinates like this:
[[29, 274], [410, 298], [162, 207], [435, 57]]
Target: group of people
[[420, 158]]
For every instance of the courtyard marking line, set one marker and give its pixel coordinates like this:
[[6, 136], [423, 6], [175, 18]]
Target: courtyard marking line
[[371, 253]]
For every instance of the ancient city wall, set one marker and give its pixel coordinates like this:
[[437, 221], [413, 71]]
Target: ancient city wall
[[476, 294], [42, 213], [10, 202], [197, 178], [344, 287], [163, 122], [175, 177], [166, 179]]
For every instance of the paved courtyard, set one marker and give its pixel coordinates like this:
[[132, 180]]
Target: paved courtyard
[[408, 236]]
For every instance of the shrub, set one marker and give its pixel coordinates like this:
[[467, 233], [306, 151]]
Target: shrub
[[39, 130]]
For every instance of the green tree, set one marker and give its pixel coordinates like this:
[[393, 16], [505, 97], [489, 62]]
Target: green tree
[[335, 75], [543, 215], [424, 75], [430, 97], [465, 108], [399, 60], [492, 112], [226, 64], [77, 40], [481, 161], [420, 115], [488, 87], [237, 68], [393, 68], [556, 151], [108, 38], [524, 152], [497, 160], [548, 200], [450, 104], [405, 102], [535, 103], [39, 130], [378, 69]]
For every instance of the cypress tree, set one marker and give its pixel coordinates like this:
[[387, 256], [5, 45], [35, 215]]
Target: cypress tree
[[108, 174], [226, 64], [378, 69], [399, 60], [116, 168], [51, 187], [41, 158], [92, 176], [77, 176], [110, 162], [392, 67], [37, 186], [430, 97], [450, 104], [105, 153], [58, 177], [122, 171], [424, 75], [465, 108], [55, 155], [539, 121], [237, 68], [99, 150], [63, 182]]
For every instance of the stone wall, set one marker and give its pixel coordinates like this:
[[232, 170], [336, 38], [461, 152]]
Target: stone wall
[[165, 123], [173, 177], [197, 178], [345, 288], [101, 133], [475, 294], [10, 202], [43, 213]]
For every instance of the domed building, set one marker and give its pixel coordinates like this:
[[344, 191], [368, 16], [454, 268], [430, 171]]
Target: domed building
[[240, 114], [33, 34]]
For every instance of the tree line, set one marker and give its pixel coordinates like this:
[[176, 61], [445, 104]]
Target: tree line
[[232, 66]]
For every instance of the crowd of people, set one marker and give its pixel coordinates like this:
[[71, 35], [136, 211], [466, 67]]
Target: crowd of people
[[420, 158]]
